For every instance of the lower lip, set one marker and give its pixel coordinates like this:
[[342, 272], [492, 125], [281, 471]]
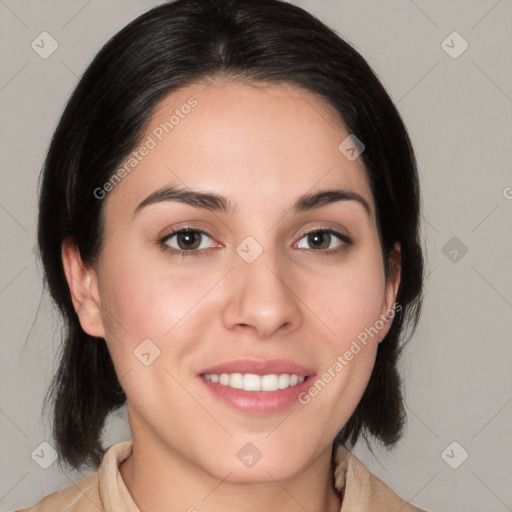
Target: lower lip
[[258, 402]]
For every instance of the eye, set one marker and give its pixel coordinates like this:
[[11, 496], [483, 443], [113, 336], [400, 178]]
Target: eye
[[188, 240], [323, 240]]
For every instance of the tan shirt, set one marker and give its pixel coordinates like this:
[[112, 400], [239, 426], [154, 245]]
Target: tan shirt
[[104, 490]]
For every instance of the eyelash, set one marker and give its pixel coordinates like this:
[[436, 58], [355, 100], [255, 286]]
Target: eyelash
[[196, 252], [178, 252]]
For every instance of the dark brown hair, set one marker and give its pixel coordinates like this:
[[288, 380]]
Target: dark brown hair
[[169, 47]]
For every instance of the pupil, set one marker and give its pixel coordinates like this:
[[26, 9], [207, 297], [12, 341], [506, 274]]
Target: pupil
[[188, 240], [319, 240]]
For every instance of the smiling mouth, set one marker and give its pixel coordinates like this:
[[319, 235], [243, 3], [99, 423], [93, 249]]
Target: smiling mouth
[[253, 382]]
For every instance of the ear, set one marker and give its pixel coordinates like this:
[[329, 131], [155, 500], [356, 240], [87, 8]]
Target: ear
[[392, 284], [83, 286]]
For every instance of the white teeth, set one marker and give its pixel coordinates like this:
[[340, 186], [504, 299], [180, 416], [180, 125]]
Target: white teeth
[[269, 382], [251, 382], [284, 381], [236, 380]]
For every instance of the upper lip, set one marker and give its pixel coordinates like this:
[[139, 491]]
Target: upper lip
[[259, 367]]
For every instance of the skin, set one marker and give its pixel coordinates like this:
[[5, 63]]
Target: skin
[[261, 147]]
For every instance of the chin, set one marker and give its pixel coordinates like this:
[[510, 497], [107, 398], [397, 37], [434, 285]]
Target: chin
[[250, 466]]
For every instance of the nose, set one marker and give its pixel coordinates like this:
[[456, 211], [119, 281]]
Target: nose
[[260, 297]]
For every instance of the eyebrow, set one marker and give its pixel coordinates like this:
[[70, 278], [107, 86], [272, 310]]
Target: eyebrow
[[217, 203]]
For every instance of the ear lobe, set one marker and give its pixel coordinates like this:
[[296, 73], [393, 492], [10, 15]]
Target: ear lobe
[[83, 287]]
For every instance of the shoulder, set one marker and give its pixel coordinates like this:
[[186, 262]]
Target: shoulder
[[83, 496], [363, 491], [102, 491]]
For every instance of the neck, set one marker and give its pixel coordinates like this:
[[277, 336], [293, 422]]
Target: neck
[[159, 480]]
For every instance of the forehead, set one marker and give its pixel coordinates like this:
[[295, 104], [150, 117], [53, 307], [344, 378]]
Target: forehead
[[255, 143]]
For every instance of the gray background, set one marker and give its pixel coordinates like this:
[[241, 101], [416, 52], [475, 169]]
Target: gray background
[[458, 111]]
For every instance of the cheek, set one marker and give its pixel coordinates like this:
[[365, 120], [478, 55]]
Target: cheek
[[347, 298], [349, 304], [147, 299]]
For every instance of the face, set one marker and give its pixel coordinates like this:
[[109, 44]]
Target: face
[[277, 271]]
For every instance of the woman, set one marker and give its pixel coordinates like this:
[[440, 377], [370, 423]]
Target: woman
[[229, 219]]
